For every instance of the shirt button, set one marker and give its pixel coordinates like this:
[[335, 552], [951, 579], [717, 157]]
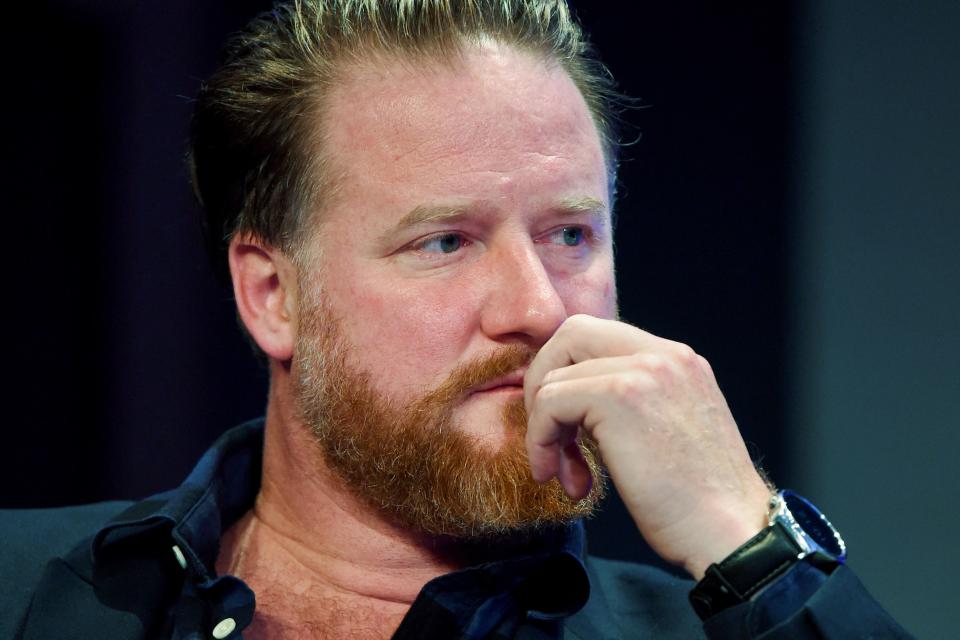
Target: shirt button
[[224, 628], [178, 554]]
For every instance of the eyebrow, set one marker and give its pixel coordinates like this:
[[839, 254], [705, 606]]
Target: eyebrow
[[582, 204], [429, 213], [437, 213]]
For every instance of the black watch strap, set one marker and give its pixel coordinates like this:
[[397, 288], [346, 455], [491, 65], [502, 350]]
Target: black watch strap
[[754, 565]]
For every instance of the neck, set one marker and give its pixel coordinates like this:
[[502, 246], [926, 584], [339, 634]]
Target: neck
[[309, 546]]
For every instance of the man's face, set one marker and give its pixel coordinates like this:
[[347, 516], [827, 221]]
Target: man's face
[[471, 220]]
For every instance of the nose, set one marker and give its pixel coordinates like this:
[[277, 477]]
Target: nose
[[522, 305]]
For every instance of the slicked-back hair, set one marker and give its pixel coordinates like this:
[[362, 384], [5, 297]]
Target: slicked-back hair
[[257, 158]]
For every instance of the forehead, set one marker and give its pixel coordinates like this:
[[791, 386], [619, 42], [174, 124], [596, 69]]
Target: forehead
[[489, 122]]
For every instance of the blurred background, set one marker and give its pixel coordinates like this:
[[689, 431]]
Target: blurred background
[[789, 206]]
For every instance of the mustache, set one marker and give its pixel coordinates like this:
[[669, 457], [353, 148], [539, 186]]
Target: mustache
[[479, 371]]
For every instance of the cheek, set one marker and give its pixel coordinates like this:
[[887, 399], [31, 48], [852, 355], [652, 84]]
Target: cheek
[[592, 292], [408, 337]]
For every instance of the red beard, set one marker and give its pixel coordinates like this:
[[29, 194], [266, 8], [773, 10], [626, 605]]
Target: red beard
[[411, 461]]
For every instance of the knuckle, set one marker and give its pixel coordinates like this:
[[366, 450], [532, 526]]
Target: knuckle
[[638, 361], [659, 365], [575, 322], [629, 387], [686, 354], [704, 364], [548, 393], [685, 358], [654, 364], [549, 377], [678, 351]]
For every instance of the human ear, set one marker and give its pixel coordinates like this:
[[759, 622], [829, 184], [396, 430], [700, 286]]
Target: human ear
[[265, 289]]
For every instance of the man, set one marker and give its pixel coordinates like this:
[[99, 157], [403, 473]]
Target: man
[[415, 205]]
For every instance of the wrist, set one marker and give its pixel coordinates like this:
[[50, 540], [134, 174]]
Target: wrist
[[726, 530], [797, 532]]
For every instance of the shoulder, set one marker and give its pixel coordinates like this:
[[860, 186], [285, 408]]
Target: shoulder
[[631, 600], [35, 533], [30, 538]]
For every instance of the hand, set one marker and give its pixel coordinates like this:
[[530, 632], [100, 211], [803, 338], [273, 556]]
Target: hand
[[663, 428]]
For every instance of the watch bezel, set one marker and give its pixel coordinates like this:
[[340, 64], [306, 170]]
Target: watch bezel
[[809, 527]]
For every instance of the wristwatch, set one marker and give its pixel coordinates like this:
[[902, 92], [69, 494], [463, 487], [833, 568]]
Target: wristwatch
[[797, 532]]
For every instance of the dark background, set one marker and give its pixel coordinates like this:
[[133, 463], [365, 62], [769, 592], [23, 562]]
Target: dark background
[[756, 121]]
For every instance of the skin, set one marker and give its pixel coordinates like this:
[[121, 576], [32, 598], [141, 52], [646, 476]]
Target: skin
[[507, 142]]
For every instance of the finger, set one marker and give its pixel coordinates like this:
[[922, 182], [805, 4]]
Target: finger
[[599, 367], [574, 473], [559, 410], [582, 338], [546, 450]]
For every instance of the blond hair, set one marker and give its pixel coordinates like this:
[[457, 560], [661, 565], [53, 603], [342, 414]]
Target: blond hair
[[255, 163]]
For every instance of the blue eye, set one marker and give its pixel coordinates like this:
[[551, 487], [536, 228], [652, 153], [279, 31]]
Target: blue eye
[[572, 236], [446, 243]]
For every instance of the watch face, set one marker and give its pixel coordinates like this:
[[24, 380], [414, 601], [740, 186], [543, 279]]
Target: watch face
[[815, 525]]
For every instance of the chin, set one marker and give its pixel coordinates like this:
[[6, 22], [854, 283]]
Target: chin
[[481, 416]]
